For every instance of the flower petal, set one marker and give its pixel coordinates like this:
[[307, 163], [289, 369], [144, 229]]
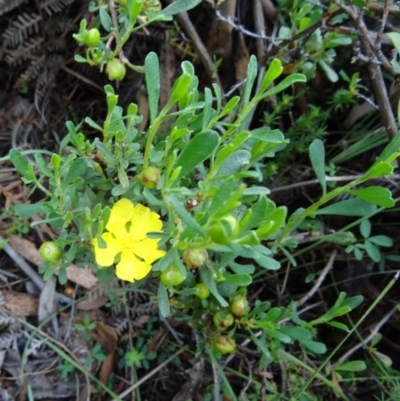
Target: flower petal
[[148, 250], [130, 268], [105, 256], [143, 221], [121, 213]]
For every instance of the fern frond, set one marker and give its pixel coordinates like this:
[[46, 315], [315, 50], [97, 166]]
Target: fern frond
[[24, 52], [56, 44], [59, 24], [30, 73], [24, 26], [54, 6], [7, 5]]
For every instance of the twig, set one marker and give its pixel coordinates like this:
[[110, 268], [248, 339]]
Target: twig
[[249, 379], [369, 337], [371, 51], [152, 373], [190, 30], [82, 78], [386, 8], [27, 269], [330, 179], [319, 281], [240, 28]]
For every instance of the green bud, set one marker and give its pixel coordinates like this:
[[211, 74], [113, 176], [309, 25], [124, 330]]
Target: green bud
[[202, 291], [49, 251], [91, 38], [223, 319], [223, 230], [225, 345], [239, 305], [149, 177], [115, 69], [172, 276], [194, 258]]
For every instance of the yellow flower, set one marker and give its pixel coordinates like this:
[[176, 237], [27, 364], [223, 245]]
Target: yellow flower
[[128, 227]]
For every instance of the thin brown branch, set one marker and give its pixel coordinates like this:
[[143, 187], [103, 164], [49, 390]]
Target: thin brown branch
[[319, 281]]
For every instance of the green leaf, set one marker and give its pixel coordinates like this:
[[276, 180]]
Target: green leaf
[[77, 169], [221, 196], [252, 69], [378, 170], [372, 251], [163, 301], [275, 221], [134, 8], [208, 280], [329, 71], [349, 207], [395, 38], [183, 213], [179, 6], [296, 333], [392, 148], [339, 326], [42, 166], [105, 19], [377, 195], [274, 71], [179, 89], [93, 124], [288, 81], [26, 211], [123, 178], [207, 107], [259, 212], [317, 157], [152, 76], [365, 228], [315, 347], [196, 151], [229, 106], [381, 240], [218, 96], [352, 366], [242, 269], [234, 163], [231, 147], [20, 163], [267, 263], [239, 280]]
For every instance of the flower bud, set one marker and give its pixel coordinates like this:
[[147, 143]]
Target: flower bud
[[223, 319], [239, 305], [225, 345], [194, 258], [202, 291], [49, 251], [115, 69], [91, 38], [223, 230], [149, 177], [172, 276]]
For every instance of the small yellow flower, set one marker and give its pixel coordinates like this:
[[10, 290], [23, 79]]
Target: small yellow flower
[[128, 227]]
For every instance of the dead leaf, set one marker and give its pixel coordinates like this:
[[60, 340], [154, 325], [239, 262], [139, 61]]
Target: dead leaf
[[20, 304], [27, 249], [94, 303]]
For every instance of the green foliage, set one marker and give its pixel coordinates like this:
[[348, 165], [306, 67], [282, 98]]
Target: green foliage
[[215, 163], [369, 245], [220, 229]]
